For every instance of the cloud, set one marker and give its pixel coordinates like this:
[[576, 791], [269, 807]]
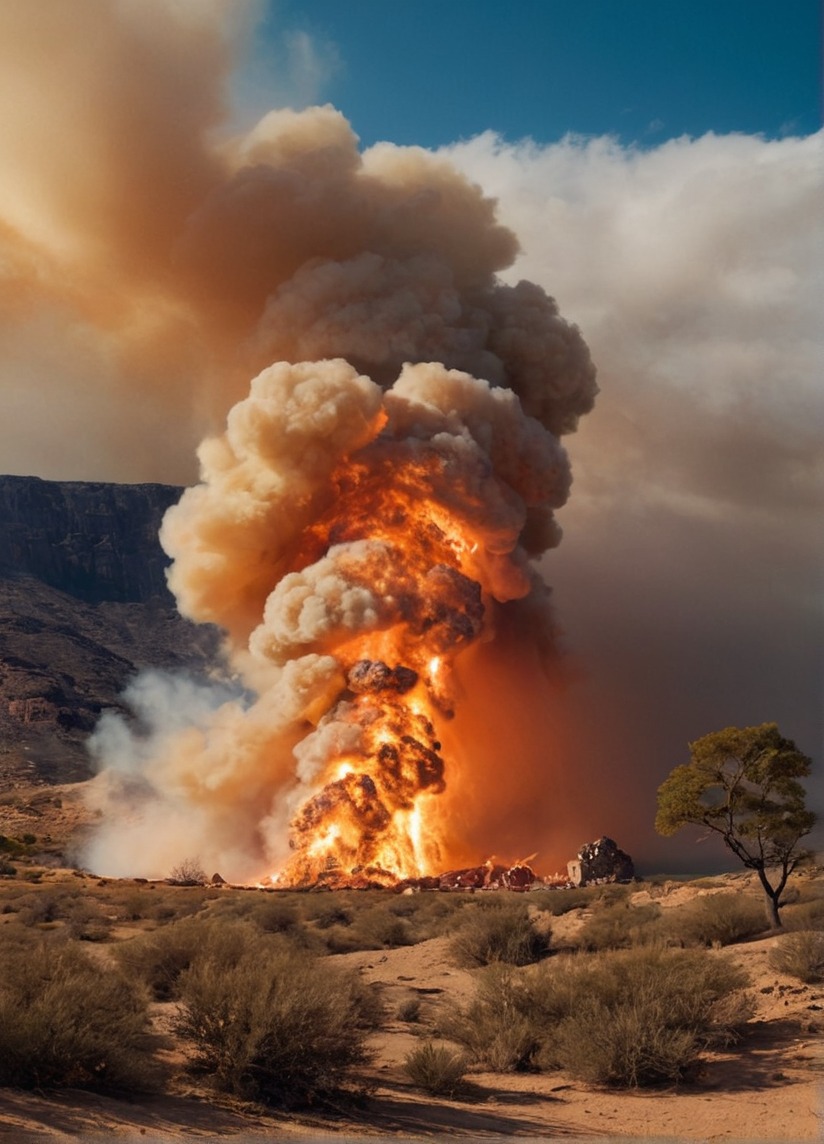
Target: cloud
[[690, 581]]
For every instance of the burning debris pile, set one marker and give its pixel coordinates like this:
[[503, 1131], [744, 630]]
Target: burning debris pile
[[366, 517]]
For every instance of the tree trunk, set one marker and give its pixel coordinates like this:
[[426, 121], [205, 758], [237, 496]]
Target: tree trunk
[[771, 902]]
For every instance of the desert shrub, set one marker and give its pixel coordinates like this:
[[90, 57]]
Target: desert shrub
[[800, 954], [374, 928], [84, 914], [559, 902], [133, 905], [158, 959], [7, 870], [436, 1069], [497, 1028], [65, 1021], [42, 907], [642, 1017], [625, 1018], [619, 925], [275, 915], [806, 914], [409, 1009], [275, 1026], [171, 904], [715, 919], [188, 872], [429, 914], [327, 910], [497, 931], [88, 921]]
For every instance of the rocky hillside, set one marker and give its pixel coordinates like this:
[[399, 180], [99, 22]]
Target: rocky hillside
[[83, 606]]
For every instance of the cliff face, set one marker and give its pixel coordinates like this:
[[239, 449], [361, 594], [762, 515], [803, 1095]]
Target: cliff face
[[83, 607], [92, 541]]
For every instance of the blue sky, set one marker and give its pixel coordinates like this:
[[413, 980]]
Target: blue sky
[[434, 71]]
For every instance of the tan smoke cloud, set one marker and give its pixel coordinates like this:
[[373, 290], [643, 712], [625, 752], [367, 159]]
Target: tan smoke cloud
[[374, 504]]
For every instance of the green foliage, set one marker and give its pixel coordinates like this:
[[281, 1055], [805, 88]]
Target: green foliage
[[497, 930], [436, 1069], [715, 919], [743, 784], [275, 1026], [66, 1021], [801, 955]]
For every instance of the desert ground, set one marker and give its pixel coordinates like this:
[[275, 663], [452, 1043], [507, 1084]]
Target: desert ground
[[765, 1086]]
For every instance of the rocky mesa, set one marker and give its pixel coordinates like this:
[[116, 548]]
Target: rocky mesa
[[83, 607]]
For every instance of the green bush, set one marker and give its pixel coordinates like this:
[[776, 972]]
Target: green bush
[[716, 919], [436, 1069], [619, 926], [497, 931], [66, 1021], [800, 954], [276, 1026]]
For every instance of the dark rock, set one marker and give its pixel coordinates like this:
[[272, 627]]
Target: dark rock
[[83, 607], [92, 541], [600, 862]]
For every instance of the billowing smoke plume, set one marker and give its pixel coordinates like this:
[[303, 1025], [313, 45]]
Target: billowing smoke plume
[[368, 513]]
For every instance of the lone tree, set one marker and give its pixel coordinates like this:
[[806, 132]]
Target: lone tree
[[742, 783]]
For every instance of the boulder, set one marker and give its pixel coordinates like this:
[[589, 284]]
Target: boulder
[[600, 862]]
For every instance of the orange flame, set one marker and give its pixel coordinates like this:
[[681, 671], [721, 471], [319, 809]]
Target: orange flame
[[369, 817]]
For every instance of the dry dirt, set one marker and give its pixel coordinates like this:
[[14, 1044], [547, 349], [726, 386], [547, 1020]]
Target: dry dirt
[[768, 1089]]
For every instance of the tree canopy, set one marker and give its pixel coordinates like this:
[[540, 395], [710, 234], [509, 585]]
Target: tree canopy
[[742, 783]]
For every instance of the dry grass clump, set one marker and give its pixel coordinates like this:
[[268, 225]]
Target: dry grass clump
[[800, 954], [498, 929], [627, 1019], [644, 1017], [500, 1028], [275, 1026], [618, 925], [85, 916], [67, 1022], [716, 919], [158, 959], [376, 927], [806, 911], [436, 1069]]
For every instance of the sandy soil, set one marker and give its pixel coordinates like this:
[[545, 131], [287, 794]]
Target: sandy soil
[[769, 1089]]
